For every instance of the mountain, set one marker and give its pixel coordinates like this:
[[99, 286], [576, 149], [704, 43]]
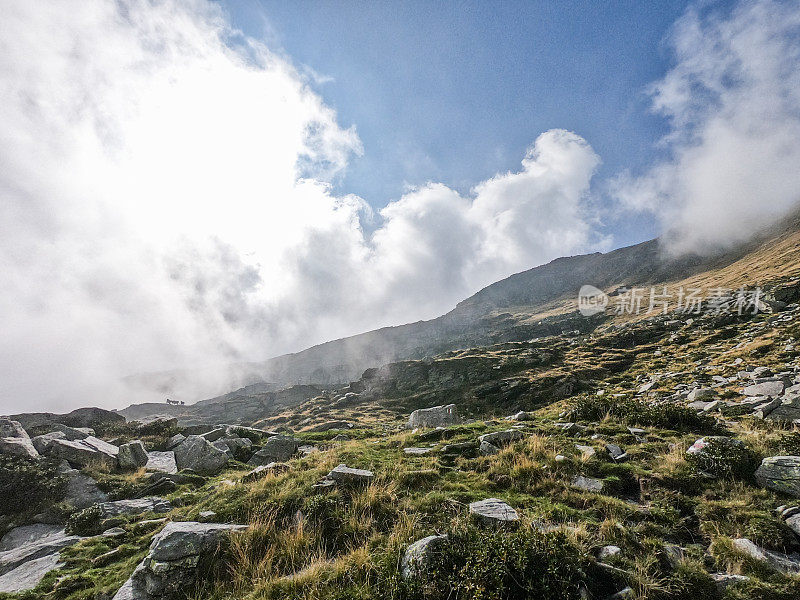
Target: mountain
[[538, 302]]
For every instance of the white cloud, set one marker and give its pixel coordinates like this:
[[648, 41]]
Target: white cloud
[[733, 101], [166, 203]]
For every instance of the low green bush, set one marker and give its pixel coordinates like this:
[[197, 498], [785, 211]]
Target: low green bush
[[29, 485], [636, 412]]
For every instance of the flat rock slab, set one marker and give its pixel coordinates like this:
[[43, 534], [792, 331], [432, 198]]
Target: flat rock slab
[[783, 563], [162, 462], [768, 388], [587, 484], [181, 539], [27, 534], [502, 438], [82, 490], [49, 544], [82, 453], [260, 471], [435, 416], [781, 474], [493, 511], [347, 476], [28, 575], [135, 507], [417, 451]]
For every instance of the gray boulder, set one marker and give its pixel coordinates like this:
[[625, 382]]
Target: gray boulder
[[199, 455], [42, 442], [783, 563], [82, 491], [28, 575], [587, 484], [699, 394], [435, 416], [787, 409], [487, 449], [493, 512], [214, 434], [278, 448], [9, 428], [172, 564], [163, 462], [18, 446], [48, 544], [767, 388], [346, 476], [781, 474], [417, 556], [85, 452], [502, 438], [417, 451], [135, 507], [132, 455], [71, 433], [175, 440]]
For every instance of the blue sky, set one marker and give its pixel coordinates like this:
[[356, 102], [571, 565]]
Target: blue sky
[[455, 92]]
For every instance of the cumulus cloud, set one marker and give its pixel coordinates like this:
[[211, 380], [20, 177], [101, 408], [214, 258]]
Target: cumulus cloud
[[733, 102], [167, 202]]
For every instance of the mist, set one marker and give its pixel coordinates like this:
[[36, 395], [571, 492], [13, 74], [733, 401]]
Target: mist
[[168, 202]]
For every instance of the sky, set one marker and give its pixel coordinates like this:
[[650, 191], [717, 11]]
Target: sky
[[190, 183]]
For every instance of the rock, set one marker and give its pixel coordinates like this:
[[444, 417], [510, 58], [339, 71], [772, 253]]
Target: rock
[[18, 446], [788, 409], [616, 453], [436, 416], [113, 532], [493, 512], [560, 458], [28, 575], [699, 394], [608, 551], [779, 562], [331, 425], [462, 449], [278, 448], [49, 544], [781, 474], [13, 429], [214, 434], [235, 444], [135, 507], [502, 438], [570, 428], [417, 556], [587, 451], [521, 416], [264, 470], [82, 453], [340, 438], [91, 417], [723, 580], [207, 515], [71, 433], [487, 449], [132, 455], [42, 442], [347, 476], [793, 522], [636, 431], [171, 566], [82, 491], [199, 455], [20, 536], [175, 440], [306, 449], [417, 451], [624, 594], [163, 462], [767, 388], [587, 484]]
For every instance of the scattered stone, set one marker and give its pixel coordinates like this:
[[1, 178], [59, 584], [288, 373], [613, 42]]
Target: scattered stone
[[617, 454], [502, 438], [18, 446], [306, 449], [85, 452], [767, 388], [132, 455], [493, 512], [587, 484], [724, 580], [417, 556], [586, 451], [260, 471], [560, 458], [487, 449], [436, 416], [199, 455], [175, 440], [462, 449], [113, 532], [163, 462], [207, 515], [278, 448], [171, 566], [346, 476], [331, 425], [607, 552], [783, 563], [781, 474], [42, 442], [636, 431], [699, 394], [570, 428], [417, 451], [341, 438], [521, 416]]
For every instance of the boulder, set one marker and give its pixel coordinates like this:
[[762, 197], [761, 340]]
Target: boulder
[[175, 440], [18, 446], [82, 453], [586, 451], [783, 563], [331, 425], [163, 462], [346, 476], [134, 507], [91, 417], [493, 512], [781, 474], [172, 564], [521, 416], [435, 416], [487, 449], [723, 580], [616, 453], [199, 455], [502, 438], [699, 394], [42, 442], [417, 556], [587, 484], [9, 428], [278, 448], [132, 455], [28, 575], [214, 434], [767, 388], [70, 433], [82, 491], [27, 534], [461, 449], [787, 409], [48, 544]]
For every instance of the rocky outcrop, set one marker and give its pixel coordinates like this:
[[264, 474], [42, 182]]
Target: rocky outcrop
[[502, 438], [163, 462], [435, 416], [28, 553], [132, 455], [781, 474], [82, 491], [85, 452], [200, 455], [170, 569], [135, 507], [18, 446], [10, 428]]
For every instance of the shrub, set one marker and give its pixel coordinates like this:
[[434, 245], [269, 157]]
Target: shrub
[[85, 522], [636, 412], [725, 458], [501, 565], [29, 485]]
